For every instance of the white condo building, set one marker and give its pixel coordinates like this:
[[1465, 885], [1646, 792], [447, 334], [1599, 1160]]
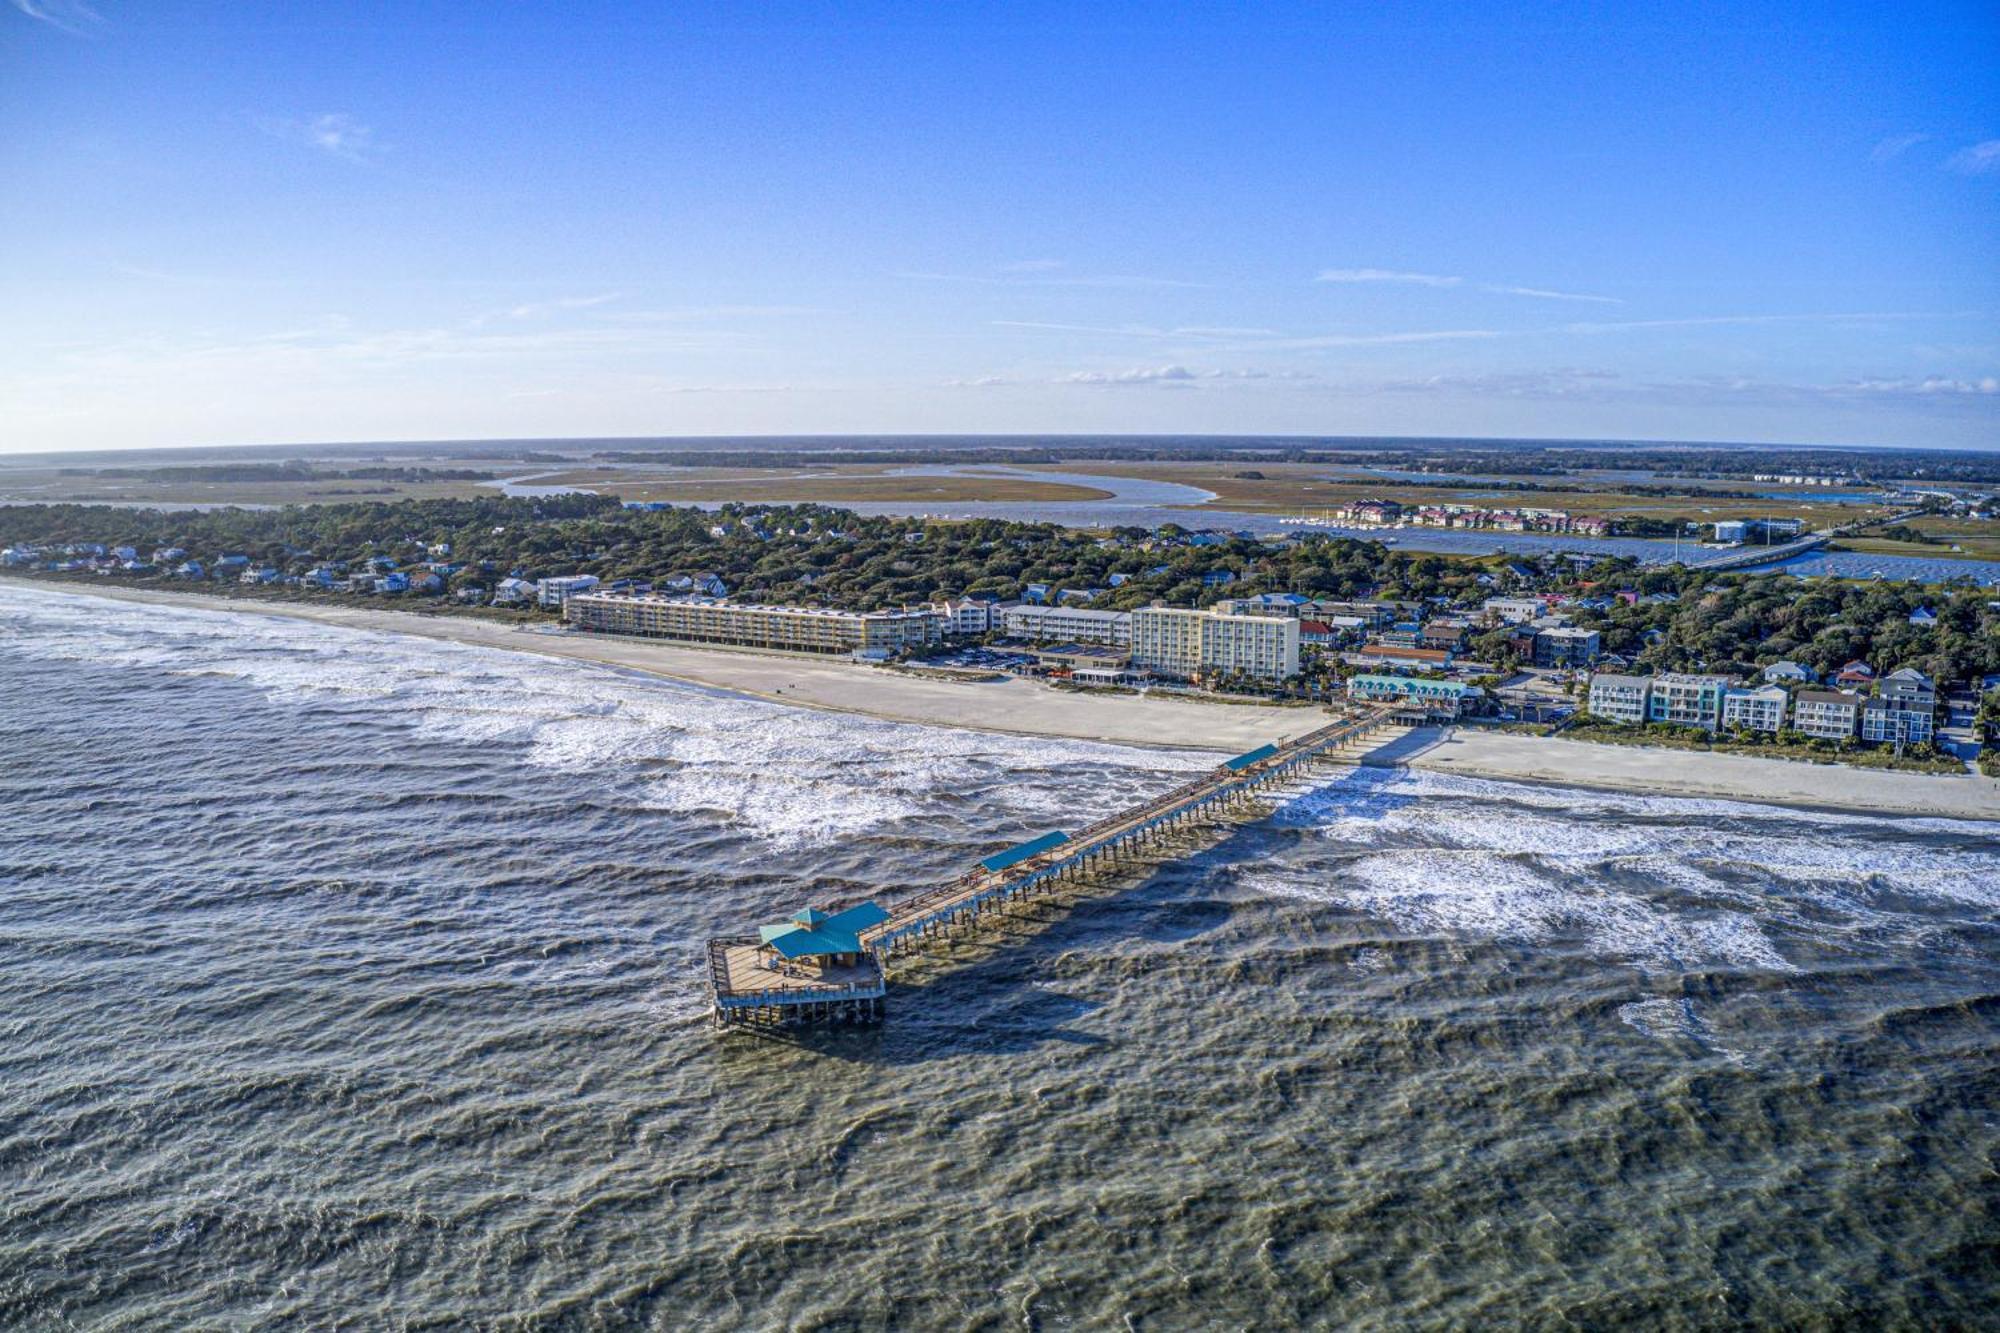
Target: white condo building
[[1828, 715], [1684, 700], [1620, 698], [1184, 642], [1754, 708], [1070, 624]]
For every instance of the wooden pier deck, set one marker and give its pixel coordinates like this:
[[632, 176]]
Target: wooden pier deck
[[746, 989]]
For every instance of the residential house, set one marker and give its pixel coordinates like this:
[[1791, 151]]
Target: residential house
[[1855, 674], [1790, 673]]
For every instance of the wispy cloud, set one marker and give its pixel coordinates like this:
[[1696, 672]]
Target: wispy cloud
[[336, 132], [1039, 276], [71, 16], [1181, 333], [1933, 386], [1725, 321], [1893, 147], [1169, 376], [1544, 294], [1977, 160], [1386, 275], [534, 309], [1033, 266]]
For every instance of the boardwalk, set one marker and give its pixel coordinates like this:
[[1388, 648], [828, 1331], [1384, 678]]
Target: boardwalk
[[748, 989]]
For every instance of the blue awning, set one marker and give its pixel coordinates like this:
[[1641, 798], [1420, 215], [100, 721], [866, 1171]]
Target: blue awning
[[1022, 851], [811, 933], [1243, 761]]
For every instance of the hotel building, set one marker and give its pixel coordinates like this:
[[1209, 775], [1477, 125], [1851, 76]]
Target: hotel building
[[795, 629], [1186, 643]]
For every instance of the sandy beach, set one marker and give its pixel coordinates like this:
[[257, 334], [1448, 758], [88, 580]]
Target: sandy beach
[[1028, 708]]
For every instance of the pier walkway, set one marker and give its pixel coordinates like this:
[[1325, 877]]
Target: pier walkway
[[750, 986]]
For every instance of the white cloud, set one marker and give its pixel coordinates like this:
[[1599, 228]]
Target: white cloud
[[1895, 146], [1929, 387], [533, 309], [72, 16], [1386, 275], [1037, 276], [1977, 160], [337, 133], [1544, 294]]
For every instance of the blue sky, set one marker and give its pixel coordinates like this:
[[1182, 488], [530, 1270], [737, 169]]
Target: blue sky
[[238, 224]]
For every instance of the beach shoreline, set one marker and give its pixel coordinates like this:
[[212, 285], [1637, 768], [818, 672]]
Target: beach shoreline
[[1019, 707]]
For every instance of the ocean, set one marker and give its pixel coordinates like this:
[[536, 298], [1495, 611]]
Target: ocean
[[353, 980]]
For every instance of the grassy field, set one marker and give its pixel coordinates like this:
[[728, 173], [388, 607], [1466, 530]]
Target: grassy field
[[1287, 488], [834, 485], [1976, 540], [50, 487]]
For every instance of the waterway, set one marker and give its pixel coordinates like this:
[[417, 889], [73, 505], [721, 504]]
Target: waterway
[[353, 980]]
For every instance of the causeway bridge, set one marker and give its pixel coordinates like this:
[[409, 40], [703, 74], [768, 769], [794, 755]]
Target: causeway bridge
[[1748, 557], [830, 966]]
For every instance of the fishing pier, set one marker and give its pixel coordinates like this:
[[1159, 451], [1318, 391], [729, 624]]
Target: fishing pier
[[823, 966]]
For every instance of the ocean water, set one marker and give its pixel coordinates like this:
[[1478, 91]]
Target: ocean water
[[349, 980]]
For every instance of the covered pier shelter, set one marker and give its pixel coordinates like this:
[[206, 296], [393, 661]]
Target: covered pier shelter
[[810, 968]]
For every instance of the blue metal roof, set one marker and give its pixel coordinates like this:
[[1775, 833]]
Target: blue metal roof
[[1243, 761], [1020, 852], [812, 932]]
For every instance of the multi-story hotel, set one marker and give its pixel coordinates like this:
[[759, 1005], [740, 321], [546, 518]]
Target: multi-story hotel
[[1758, 708], [1620, 698], [1187, 643], [1069, 624], [1683, 700], [796, 629]]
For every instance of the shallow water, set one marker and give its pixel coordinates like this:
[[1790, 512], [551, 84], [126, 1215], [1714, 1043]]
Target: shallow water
[[352, 979]]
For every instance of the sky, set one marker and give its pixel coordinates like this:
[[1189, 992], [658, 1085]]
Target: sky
[[234, 224]]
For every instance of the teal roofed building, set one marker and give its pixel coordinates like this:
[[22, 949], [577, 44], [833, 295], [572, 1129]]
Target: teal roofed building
[[830, 937], [1440, 695]]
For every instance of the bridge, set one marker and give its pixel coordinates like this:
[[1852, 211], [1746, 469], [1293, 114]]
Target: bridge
[[753, 982], [1750, 556]]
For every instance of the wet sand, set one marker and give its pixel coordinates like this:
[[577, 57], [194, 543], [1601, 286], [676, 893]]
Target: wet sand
[[1028, 708]]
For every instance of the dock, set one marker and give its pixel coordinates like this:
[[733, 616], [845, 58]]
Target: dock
[[796, 973]]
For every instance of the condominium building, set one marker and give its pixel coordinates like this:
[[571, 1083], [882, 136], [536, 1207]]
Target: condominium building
[[1069, 624], [555, 593], [1902, 709], [1829, 715], [1620, 698], [1754, 708], [748, 625], [1566, 646], [1183, 642], [1684, 700], [970, 615], [1512, 610]]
